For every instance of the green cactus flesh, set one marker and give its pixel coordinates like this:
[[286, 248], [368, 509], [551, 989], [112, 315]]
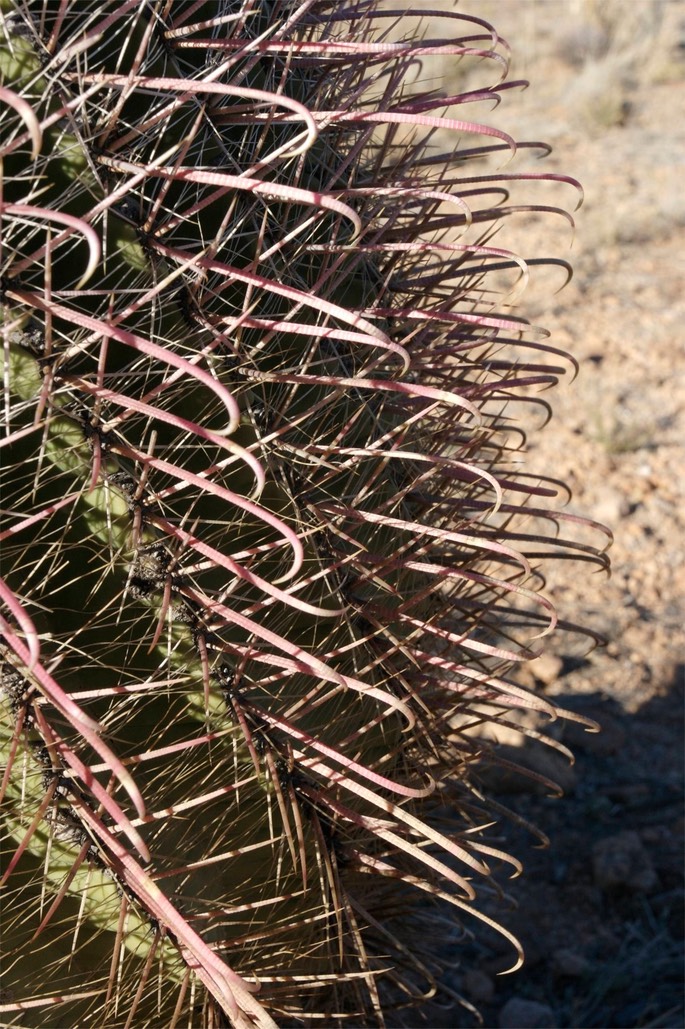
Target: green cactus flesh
[[261, 561]]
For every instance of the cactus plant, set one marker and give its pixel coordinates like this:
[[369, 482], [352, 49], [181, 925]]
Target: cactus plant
[[268, 556]]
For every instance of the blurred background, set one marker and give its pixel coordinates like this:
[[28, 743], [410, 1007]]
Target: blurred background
[[600, 912]]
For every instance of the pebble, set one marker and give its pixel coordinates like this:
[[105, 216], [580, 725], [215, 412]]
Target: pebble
[[546, 668], [569, 964], [611, 509], [519, 1013], [621, 862], [478, 986]]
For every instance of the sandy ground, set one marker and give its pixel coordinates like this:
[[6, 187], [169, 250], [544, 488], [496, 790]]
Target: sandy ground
[[601, 911]]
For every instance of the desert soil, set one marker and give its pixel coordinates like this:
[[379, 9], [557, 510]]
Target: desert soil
[[600, 912]]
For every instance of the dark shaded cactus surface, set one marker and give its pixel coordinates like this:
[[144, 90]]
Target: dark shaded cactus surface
[[268, 554]]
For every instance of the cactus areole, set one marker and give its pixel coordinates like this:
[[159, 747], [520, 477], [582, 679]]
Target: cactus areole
[[269, 556]]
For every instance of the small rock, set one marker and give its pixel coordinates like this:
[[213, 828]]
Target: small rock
[[478, 986], [569, 964], [621, 862], [631, 794], [546, 668], [611, 509], [519, 1013]]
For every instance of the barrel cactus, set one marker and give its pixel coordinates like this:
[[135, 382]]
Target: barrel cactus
[[268, 554]]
